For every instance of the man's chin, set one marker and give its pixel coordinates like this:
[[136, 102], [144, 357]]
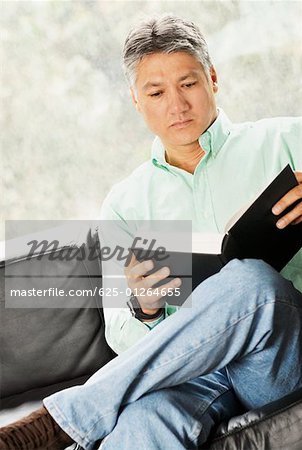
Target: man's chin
[[183, 141], [185, 136]]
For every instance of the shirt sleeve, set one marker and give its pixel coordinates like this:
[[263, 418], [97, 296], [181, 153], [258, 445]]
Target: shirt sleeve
[[122, 330], [283, 143], [292, 139]]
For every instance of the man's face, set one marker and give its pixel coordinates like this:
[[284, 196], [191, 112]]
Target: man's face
[[175, 97]]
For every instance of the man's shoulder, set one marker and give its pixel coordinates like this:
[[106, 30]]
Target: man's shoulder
[[135, 178], [271, 124], [131, 187]]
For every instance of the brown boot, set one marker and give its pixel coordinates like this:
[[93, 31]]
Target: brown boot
[[34, 432]]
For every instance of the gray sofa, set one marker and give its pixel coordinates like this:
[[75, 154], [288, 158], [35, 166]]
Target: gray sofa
[[46, 349]]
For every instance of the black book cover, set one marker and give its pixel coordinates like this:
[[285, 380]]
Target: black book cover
[[255, 234]]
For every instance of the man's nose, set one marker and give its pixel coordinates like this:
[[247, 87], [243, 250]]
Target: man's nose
[[177, 103]]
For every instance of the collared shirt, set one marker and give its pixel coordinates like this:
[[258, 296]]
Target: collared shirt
[[239, 161]]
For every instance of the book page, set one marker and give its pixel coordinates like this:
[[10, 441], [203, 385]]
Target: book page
[[237, 215], [196, 242], [207, 243]]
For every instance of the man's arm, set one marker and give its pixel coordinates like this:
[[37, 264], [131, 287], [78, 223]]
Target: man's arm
[[122, 329]]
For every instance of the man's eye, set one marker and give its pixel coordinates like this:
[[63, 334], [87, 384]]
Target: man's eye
[[155, 94], [190, 84]]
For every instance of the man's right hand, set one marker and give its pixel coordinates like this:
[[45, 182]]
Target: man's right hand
[[148, 297]]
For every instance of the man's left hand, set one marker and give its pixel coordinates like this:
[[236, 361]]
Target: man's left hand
[[295, 215]]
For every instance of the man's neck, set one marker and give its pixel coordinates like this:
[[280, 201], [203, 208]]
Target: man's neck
[[185, 158]]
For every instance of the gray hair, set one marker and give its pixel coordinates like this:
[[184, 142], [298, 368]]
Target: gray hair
[[166, 34]]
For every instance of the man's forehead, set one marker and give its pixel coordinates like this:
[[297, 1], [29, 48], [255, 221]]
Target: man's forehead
[[158, 79]]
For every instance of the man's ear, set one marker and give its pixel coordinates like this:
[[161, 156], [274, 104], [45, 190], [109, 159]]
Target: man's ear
[[134, 99], [214, 80]]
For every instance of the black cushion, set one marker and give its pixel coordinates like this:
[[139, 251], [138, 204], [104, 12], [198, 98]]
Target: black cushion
[[277, 425], [45, 345]]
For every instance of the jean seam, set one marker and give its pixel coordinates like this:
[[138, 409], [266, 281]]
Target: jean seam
[[84, 440], [197, 416], [63, 417], [97, 421]]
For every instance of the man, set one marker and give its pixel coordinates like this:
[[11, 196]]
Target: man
[[239, 343]]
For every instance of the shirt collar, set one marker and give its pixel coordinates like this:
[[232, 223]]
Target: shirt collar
[[211, 140]]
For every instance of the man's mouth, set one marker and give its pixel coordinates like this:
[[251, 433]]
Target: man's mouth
[[181, 123]]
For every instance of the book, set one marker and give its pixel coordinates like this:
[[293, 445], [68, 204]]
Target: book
[[251, 233]]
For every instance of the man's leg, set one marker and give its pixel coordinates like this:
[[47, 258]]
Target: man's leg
[[272, 366], [176, 418], [233, 317]]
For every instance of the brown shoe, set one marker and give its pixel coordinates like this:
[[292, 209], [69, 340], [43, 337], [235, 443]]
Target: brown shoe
[[34, 432]]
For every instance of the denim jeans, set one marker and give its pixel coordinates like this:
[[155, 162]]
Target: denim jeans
[[240, 339]]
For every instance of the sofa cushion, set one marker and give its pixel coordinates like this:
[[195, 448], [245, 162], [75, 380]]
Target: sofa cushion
[[277, 425], [71, 339], [19, 405]]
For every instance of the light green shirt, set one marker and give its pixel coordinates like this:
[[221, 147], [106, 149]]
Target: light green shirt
[[240, 160]]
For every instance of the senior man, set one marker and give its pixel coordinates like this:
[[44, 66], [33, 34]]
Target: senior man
[[239, 343]]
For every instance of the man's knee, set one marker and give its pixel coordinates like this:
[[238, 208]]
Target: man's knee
[[251, 274], [148, 423], [242, 282], [249, 267]]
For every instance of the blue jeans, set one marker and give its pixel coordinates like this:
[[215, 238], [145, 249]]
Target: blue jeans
[[240, 339]]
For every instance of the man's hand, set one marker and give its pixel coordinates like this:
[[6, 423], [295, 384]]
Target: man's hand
[[139, 284], [295, 215]]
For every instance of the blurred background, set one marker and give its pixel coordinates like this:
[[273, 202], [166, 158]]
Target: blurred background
[[69, 131]]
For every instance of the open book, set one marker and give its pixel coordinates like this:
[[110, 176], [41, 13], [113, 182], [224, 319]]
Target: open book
[[249, 234]]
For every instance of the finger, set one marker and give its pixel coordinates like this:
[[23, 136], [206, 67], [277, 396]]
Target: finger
[[294, 215], [154, 301], [138, 271], [288, 199], [296, 221], [162, 291], [298, 175], [155, 277], [133, 261]]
